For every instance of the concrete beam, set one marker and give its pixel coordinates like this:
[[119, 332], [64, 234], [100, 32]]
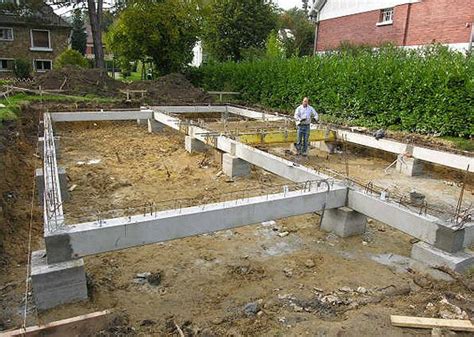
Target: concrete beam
[[255, 114], [443, 158], [83, 116], [73, 242], [189, 109], [267, 161], [423, 227]]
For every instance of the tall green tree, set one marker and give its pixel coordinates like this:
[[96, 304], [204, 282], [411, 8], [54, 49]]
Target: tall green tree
[[79, 34], [164, 31], [297, 32], [232, 26]]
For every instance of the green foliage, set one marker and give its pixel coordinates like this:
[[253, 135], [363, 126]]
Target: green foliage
[[297, 32], [274, 47], [78, 35], [429, 91], [71, 57], [165, 31], [232, 28], [22, 69]]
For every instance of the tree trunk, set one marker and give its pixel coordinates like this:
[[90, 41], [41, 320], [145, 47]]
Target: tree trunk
[[95, 15]]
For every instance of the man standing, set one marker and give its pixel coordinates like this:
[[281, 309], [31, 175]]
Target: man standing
[[303, 115]]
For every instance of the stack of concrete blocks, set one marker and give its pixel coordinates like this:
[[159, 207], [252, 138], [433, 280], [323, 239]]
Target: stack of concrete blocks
[[62, 183], [409, 166], [193, 145], [343, 222], [233, 166], [58, 283]]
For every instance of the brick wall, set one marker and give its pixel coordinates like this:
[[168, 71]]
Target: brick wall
[[430, 20], [20, 46], [441, 21]]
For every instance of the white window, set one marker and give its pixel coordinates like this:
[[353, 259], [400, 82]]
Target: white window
[[40, 40], [7, 64], [6, 34], [42, 65], [386, 17]]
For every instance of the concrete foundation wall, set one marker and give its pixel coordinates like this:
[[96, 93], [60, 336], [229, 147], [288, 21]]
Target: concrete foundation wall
[[82, 116], [114, 234]]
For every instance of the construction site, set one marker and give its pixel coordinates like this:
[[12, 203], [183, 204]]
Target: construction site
[[200, 219]]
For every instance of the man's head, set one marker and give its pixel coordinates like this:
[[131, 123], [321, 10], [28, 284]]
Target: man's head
[[305, 101]]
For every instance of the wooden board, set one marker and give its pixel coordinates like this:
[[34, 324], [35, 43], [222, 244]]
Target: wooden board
[[429, 323], [84, 325]]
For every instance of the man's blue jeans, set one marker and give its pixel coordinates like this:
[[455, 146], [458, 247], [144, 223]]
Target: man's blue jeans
[[303, 139]]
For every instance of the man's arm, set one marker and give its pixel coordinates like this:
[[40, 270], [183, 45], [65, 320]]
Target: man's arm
[[297, 115], [315, 114]]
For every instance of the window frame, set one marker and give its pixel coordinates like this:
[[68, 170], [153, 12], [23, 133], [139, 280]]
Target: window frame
[[33, 48], [7, 59], [383, 12], [42, 70], [13, 37]]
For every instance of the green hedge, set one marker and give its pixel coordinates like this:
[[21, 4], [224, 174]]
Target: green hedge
[[425, 91]]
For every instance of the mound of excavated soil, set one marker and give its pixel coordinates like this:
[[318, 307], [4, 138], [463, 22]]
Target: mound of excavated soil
[[79, 81], [171, 89]]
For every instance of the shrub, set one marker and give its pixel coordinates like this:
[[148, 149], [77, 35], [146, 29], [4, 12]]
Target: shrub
[[71, 57], [425, 91], [22, 69]]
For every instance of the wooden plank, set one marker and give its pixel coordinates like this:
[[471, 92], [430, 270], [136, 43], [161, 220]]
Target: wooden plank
[[84, 325], [430, 323]]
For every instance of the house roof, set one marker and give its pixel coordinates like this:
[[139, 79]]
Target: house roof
[[43, 15]]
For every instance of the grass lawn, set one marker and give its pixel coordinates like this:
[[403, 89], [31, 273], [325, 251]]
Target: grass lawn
[[11, 106]]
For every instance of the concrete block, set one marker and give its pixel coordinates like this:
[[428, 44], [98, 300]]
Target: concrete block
[[39, 184], [409, 166], [57, 284], [234, 167], [40, 148], [62, 183], [432, 256], [328, 147], [154, 126], [192, 145], [142, 122], [344, 222]]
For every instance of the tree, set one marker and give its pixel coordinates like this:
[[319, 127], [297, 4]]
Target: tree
[[71, 57], [79, 35], [297, 32], [165, 31], [232, 26], [305, 6], [95, 16]]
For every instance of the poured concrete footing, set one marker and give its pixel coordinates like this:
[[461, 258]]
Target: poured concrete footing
[[193, 145], [343, 222], [154, 126], [56, 284], [234, 167], [62, 183], [432, 256], [326, 147], [409, 166]]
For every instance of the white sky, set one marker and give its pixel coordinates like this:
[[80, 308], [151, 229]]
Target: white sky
[[287, 4]]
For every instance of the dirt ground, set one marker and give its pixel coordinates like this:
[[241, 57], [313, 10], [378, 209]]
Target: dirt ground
[[285, 278]]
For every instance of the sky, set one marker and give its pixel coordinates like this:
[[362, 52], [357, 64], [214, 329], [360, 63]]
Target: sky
[[287, 4]]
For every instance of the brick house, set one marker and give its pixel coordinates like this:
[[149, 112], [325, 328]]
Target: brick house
[[38, 36], [408, 23]]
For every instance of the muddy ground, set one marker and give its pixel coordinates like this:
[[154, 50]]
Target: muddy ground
[[256, 280]]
